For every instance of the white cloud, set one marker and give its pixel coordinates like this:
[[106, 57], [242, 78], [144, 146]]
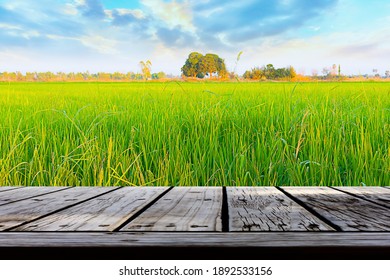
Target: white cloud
[[136, 13], [70, 9], [17, 31], [9, 26], [96, 42], [99, 43], [173, 14]]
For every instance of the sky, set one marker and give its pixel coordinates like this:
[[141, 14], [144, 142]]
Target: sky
[[115, 35]]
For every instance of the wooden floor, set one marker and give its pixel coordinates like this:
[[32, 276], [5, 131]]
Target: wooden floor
[[250, 217]]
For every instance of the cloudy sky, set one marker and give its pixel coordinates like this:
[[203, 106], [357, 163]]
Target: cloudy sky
[[114, 35]]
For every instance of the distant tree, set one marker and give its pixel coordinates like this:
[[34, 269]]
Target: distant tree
[[209, 64], [254, 74], [387, 74], [200, 66], [221, 67], [146, 68], [191, 67], [325, 71], [269, 71], [138, 76], [247, 75], [279, 73], [291, 72], [159, 75], [257, 73], [376, 74]]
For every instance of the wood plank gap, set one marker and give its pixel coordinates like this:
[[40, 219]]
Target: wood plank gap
[[59, 190], [361, 197], [311, 210], [58, 210], [143, 209], [225, 211]]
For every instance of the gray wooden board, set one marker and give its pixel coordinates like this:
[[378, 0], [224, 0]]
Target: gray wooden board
[[346, 211], [3, 189], [24, 193], [182, 209], [194, 239], [377, 195], [268, 209], [104, 213], [17, 213]]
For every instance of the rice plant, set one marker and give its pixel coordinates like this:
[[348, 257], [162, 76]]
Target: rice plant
[[194, 134]]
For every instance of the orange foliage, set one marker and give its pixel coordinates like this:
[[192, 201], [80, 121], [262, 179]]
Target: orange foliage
[[301, 78]]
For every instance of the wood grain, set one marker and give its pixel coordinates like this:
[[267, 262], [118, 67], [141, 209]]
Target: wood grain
[[104, 213], [25, 193], [268, 209], [376, 195], [346, 211], [3, 189], [182, 209], [194, 239], [26, 210]]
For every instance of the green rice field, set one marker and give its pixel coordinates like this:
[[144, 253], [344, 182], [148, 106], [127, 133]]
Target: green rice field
[[194, 134]]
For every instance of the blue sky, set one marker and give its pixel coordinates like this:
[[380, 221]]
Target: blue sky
[[114, 35]]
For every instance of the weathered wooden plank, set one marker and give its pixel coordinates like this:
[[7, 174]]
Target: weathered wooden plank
[[104, 213], [23, 211], [24, 193], [3, 189], [345, 211], [194, 239], [268, 209], [182, 209], [376, 195]]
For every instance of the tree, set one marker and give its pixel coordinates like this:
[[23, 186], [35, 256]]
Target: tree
[[209, 64], [159, 75], [269, 71], [192, 64], [200, 66], [221, 68], [387, 74], [146, 68], [291, 72], [247, 75], [325, 71], [257, 73]]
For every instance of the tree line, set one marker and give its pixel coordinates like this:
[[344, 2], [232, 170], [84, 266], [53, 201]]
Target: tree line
[[269, 72], [197, 66], [77, 76], [200, 66]]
